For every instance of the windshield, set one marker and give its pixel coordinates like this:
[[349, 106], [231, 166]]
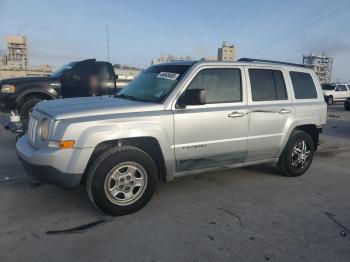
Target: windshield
[[154, 84], [328, 87], [59, 72]]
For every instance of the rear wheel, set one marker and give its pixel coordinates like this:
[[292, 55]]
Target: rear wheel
[[297, 156], [122, 180]]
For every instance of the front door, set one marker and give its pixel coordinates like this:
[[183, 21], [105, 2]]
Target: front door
[[269, 112], [81, 80], [341, 92], [105, 77], [214, 134]]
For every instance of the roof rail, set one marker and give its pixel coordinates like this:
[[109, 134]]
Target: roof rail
[[268, 61]]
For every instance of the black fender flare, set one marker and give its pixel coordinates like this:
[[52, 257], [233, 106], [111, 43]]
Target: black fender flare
[[48, 92]]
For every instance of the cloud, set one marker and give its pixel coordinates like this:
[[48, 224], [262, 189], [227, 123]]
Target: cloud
[[331, 46], [336, 48]]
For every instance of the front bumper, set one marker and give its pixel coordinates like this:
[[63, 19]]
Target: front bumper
[[51, 175], [61, 167], [8, 103]]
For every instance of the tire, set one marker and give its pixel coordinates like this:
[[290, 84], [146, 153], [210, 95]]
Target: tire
[[330, 100], [346, 106], [26, 107], [288, 162], [128, 164]]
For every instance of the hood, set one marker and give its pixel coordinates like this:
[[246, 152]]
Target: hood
[[28, 79], [93, 106]]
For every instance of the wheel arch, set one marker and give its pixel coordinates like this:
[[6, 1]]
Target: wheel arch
[[312, 129], [34, 93], [148, 144]]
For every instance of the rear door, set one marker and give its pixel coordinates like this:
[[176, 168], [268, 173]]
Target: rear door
[[79, 82], [269, 111]]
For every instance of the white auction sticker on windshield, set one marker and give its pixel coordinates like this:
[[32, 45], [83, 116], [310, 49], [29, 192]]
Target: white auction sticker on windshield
[[168, 75]]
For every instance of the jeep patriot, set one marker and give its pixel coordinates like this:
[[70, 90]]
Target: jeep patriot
[[176, 119]]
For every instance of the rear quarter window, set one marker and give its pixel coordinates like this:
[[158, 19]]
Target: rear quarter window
[[303, 85]]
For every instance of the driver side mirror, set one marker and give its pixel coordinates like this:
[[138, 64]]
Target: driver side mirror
[[192, 97], [337, 89]]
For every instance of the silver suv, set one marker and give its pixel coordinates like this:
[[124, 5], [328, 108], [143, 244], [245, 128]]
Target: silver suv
[[176, 119]]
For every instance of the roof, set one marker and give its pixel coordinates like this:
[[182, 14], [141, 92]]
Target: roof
[[242, 61], [185, 63]]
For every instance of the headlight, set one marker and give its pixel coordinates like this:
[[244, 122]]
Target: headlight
[[44, 129], [8, 89]]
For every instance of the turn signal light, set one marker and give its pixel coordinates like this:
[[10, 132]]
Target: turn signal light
[[62, 144], [66, 144]]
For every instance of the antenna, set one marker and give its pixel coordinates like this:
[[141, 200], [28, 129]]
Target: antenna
[[107, 39]]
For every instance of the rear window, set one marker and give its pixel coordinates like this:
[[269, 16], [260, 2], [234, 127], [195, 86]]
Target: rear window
[[303, 84], [267, 85]]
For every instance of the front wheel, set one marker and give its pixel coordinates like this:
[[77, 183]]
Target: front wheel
[[329, 100], [122, 180], [297, 156]]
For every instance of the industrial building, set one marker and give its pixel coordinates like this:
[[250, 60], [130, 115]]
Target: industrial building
[[321, 64], [17, 52], [15, 62], [227, 52]]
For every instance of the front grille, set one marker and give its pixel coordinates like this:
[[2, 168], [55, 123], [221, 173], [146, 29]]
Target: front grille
[[33, 123]]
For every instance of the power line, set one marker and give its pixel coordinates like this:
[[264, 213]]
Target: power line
[[107, 33]]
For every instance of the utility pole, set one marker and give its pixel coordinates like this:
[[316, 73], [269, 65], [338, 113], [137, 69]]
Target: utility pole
[[107, 32]]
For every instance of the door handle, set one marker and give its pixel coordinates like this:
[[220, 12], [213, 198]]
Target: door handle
[[263, 111], [284, 111], [236, 114]]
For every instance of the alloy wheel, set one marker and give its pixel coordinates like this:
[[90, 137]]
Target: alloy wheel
[[125, 183], [300, 155]]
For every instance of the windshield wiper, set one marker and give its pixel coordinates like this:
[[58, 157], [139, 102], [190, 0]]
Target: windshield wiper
[[126, 97]]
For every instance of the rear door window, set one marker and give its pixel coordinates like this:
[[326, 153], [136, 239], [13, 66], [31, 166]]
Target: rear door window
[[303, 85], [267, 85]]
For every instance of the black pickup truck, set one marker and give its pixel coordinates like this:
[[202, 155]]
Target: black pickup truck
[[76, 79]]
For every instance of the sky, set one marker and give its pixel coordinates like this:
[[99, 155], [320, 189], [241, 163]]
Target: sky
[[63, 31]]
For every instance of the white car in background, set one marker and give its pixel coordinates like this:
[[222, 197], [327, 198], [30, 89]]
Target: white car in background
[[336, 92]]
